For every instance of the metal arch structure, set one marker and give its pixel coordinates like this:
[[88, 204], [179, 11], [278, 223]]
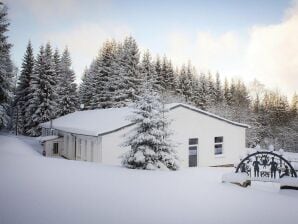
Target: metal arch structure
[[265, 164]]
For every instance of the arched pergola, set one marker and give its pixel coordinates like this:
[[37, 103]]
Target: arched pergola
[[266, 164]]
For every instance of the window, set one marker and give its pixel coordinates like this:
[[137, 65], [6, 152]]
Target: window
[[218, 139], [55, 148], [193, 152], [193, 141], [218, 147]]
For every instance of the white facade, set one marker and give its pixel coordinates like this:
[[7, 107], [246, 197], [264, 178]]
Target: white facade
[[203, 139]]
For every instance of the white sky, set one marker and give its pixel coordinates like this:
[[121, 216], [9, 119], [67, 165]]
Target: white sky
[[247, 40]]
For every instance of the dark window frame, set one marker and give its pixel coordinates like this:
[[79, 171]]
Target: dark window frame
[[193, 141], [193, 144], [218, 145], [218, 139], [55, 148]]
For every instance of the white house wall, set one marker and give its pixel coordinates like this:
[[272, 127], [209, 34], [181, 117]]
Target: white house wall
[[88, 148], [187, 124], [111, 146], [81, 147], [190, 124]]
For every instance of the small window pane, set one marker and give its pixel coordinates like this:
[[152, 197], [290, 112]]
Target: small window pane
[[192, 150], [193, 141], [218, 139], [218, 149]]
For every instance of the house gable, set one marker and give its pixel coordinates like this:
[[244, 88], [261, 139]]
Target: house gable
[[209, 114]]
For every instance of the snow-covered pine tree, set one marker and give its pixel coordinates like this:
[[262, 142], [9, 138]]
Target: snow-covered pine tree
[[185, 83], [129, 71], [57, 75], [118, 79], [48, 83], [67, 88], [6, 69], [195, 96], [148, 70], [294, 105], [227, 92], [158, 76], [24, 89], [87, 87], [151, 147], [42, 100], [168, 82], [202, 96], [177, 85], [33, 102], [218, 90], [211, 90], [104, 76]]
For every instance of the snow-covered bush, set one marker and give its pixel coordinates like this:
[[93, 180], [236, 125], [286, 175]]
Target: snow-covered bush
[[151, 147]]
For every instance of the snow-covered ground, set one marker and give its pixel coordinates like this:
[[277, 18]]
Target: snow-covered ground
[[38, 190]]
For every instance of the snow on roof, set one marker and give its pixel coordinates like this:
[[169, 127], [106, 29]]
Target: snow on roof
[[102, 121], [48, 138], [92, 122]]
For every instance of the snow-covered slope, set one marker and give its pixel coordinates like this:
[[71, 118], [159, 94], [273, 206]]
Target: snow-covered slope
[[39, 190]]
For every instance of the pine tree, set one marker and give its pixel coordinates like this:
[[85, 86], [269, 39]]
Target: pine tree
[[202, 101], [148, 70], [118, 79], [211, 90], [41, 105], [158, 76], [67, 95], [104, 76], [218, 90], [33, 102], [195, 96], [87, 87], [177, 85], [150, 145], [294, 105], [57, 76], [168, 75], [129, 71], [24, 89], [185, 83], [6, 69]]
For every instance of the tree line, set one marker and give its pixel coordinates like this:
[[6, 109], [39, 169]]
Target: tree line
[[46, 89]]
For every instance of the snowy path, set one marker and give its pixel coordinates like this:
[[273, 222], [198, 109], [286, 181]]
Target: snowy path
[[38, 190]]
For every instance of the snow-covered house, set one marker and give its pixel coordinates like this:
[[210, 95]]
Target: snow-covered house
[[203, 139]]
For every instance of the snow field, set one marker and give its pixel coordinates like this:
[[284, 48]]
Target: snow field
[[34, 189]]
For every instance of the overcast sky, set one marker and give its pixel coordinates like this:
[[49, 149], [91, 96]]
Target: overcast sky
[[244, 39]]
